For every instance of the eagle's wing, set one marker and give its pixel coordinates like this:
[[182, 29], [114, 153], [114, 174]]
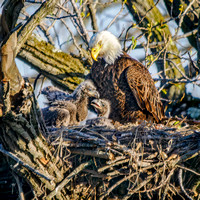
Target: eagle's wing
[[144, 90]]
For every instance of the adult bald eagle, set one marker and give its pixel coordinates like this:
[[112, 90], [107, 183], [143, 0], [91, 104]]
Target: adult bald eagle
[[124, 81]]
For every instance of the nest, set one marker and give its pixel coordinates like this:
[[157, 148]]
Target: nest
[[130, 162]]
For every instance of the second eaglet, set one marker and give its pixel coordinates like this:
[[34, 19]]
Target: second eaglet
[[68, 109], [124, 81]]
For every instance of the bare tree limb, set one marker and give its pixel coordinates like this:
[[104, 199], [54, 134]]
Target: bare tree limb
[[81, 23], [186, 12], [116, 16], [19, 161], [46, 8], [92, 10]]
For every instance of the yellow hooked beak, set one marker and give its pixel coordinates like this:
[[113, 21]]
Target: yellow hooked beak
[[95, 51]]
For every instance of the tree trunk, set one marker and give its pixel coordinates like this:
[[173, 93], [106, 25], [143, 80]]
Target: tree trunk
[[20, 119]]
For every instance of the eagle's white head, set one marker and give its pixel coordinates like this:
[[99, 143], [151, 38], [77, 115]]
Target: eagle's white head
[[105, 45]]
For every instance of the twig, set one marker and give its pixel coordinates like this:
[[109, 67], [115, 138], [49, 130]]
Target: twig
[[98, 154], [181, 184], [183, 15], [58, 18], [155, 4], [100, 170], [175, 80], [116, 16], [190, 170], [69, 178], [46, 33], [19, 185], [82, 26], [161, 184], [117, 184], [83, 54], [155, 44]]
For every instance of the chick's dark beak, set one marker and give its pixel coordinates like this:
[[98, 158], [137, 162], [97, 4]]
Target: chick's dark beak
[[94, 94], [97, 95]]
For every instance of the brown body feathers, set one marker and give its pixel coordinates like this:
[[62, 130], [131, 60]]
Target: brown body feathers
[[128, 85]]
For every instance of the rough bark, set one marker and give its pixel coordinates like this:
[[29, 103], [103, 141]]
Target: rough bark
[[198, 44], [21, 123], [9, 17], [8, 47], [152, 16]]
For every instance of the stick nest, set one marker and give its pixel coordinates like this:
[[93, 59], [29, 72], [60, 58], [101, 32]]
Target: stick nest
[[129, 162]]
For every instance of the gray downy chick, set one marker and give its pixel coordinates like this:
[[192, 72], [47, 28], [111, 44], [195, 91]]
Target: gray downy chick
[[74, 105], [60, 113], [103, 109]]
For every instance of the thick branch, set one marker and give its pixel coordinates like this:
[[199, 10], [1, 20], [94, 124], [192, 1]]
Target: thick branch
[[46, 8], [92, 10], [69, 178], [57, 66], [10, 15]]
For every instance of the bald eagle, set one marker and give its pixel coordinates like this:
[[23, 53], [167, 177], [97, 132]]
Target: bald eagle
[[124, 81]]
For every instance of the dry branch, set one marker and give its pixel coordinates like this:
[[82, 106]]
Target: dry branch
[[20, 162], [186, 16], [69, 178]]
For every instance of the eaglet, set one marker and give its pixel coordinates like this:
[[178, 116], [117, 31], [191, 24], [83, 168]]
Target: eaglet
[[68, 109], [102, 108]]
